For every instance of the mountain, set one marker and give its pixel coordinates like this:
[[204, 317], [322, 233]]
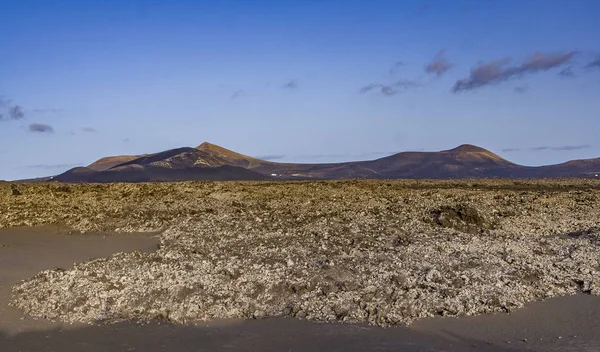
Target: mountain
[[181, 164], [465, 161], [212, 162]]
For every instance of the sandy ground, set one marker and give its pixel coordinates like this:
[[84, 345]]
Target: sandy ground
[[26, 251], [558, 324]]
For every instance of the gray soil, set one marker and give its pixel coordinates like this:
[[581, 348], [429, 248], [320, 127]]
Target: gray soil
[[559, 324]]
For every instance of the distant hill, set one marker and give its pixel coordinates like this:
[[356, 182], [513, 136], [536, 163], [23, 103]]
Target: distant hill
[[212, 162]]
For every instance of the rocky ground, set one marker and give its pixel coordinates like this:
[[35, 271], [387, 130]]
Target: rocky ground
[[383, 252]]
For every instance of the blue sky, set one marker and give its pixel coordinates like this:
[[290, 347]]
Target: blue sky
[[314, 81]]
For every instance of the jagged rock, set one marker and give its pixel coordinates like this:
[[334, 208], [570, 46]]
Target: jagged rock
[[14, 190]]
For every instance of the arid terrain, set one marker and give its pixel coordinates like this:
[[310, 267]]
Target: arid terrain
[[382, 252]]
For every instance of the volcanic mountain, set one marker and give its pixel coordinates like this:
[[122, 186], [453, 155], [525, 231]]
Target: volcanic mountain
[[212, 162]]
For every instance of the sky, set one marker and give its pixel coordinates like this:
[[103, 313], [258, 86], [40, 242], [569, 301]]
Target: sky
[[297, 81]]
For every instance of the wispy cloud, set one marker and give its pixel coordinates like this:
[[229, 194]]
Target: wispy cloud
[[572, 147], [46, 111], [238, 93], [381, 88], [396, 67], [270, 157], [89, 129], [554, 148], [498, 71], [439, 65], [389, 90], [40, 128], [291, 85], [521, 90], [594, 64], [16, 112], [567, 72]]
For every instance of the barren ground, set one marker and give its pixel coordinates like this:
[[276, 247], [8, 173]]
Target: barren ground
[[382, 252]]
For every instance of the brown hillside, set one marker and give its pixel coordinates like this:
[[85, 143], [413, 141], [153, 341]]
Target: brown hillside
[[110, 161], [231, 157]]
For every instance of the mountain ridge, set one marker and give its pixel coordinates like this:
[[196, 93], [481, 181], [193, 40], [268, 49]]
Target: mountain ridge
[[211, 161]]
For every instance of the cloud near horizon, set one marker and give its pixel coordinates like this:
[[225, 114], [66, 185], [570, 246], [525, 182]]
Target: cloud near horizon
[[40, 128], [270, 157], [498, 71], [317, 157], [572, 147], [89, 129], [46, 111], [555, 148], [53, 166], [439, 65]]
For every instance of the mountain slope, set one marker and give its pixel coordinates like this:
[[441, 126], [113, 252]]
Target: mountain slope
[[231, 157], [110, 161], [137, 173], [573, 168]]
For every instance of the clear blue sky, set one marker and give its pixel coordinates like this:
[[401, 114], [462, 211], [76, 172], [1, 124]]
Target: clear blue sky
[[313, 81]]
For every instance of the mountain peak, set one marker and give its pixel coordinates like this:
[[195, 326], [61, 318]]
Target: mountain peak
[[473, 153], [468, 148], [207, 145]]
